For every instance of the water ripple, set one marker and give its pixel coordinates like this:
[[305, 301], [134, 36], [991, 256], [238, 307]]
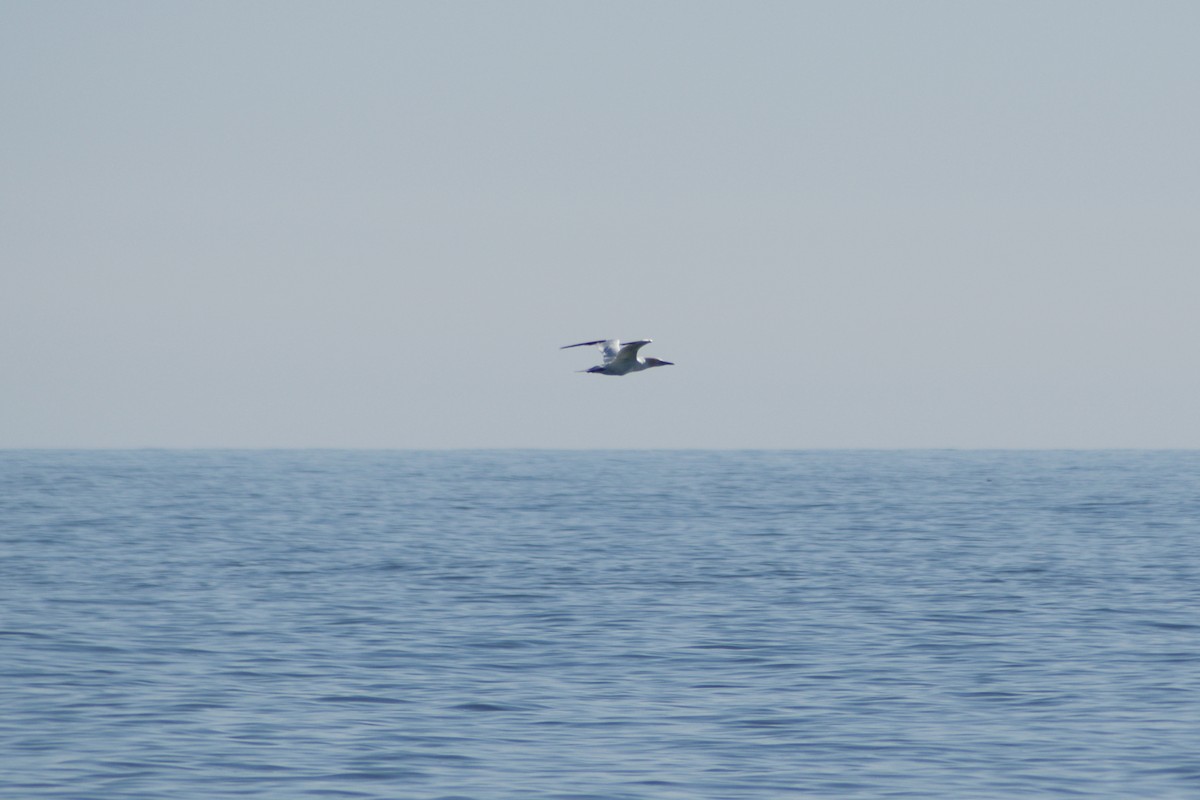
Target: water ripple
[[208, 625]]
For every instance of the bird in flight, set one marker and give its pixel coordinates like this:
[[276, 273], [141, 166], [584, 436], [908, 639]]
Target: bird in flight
[[621, 359]]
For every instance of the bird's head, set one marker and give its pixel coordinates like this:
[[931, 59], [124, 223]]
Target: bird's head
[[658, 362]]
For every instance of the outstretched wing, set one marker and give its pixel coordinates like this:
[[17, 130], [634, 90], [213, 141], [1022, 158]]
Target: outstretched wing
[[628, 352], [609, 347]]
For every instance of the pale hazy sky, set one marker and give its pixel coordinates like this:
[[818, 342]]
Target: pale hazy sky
[[850, 224]]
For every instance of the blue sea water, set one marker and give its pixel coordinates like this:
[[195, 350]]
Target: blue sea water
[[601, 625]]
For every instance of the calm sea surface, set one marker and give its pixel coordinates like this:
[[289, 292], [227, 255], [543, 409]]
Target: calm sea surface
[[196, 625]]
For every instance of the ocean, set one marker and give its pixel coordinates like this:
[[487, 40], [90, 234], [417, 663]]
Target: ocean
[[601, 625]]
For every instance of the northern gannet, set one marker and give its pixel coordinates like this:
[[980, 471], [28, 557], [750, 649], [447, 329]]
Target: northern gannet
[[620, 359]]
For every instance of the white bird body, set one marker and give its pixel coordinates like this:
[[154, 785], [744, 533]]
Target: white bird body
[[621, 359]]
